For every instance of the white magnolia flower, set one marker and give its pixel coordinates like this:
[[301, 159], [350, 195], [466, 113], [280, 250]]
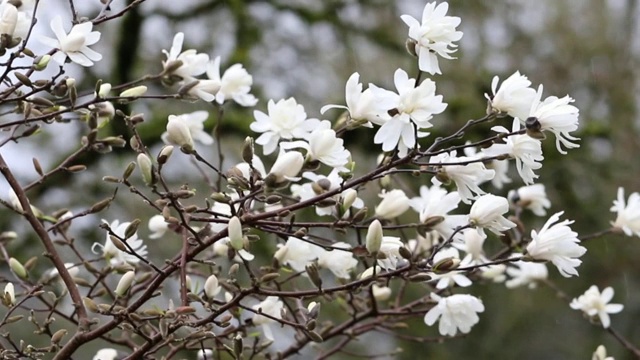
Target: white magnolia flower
[[323, 146], [526, 273], [205, 89], [526, 150], [390, 249], [473, 246], [306, 191], [182, 127], [557, 116], [286, 119], [514, 97], [192, 63], [381, 293], [339, 262], [413, 107], [501, 169], [9, 295], [628, 219], [296, 254], [206, 354], [271, 306], [157, 226], [557, 243], [8, 19], [287, 166], [106, 354], [434, 36], [115, 255], [74, 45], [450, 278], [394, 203], [235, 83], [222, 247], [601, 354], [487, 212], [435, 202], [456, 312], [72, 269], [363, 106], [467, 177], [212, 287], [15, 18], [593, 303], [532, 197]]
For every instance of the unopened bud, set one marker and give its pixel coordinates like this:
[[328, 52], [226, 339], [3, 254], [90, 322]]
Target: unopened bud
[[374, 237], [146, 168], [235, 233], [125, 283], [17, 268], [247, 150], [134, 91], [165, 154]]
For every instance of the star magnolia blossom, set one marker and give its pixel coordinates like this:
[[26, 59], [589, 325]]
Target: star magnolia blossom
[[456, 312], [557, 243], [487, 212], [271, 306], [526, 150], [414, 106], [523, 273], [15, 18], [117, 256], [532, 197], [473, 246], [514, 97], [390, 248], [158, 226], [74, 45], [324, 146], [184, 129], [467, 177], [436, 202], [628, 219], [601, 354], [106, 354], [192, 63], [296, 254], [450, 278], [593, 303], [306, 192], [557, 116], [434, 36], [394, 203], [8, 19], [286, 119], [339, 262], [363, 106], [235, 84]]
